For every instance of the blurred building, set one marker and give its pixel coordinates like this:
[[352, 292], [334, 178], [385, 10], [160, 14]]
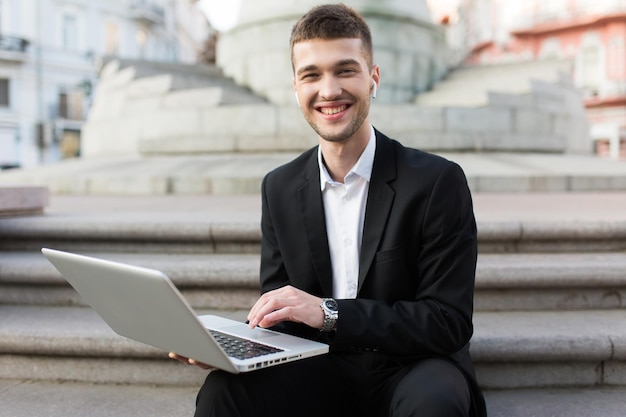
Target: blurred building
[[50, 54], [590, 33]]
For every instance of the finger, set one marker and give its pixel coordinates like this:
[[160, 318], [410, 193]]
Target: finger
[[178, 357], [265, 304], [272, 306], [189, 361], [200, 364], [274, 317]]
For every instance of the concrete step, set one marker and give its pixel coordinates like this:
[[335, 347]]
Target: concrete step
[[511, 350], [527, 281], [27, 398], [242, 172], [550, 281], [67, 399], [137, 232], [221, 281], [74, 344], [530, 349], [469, 85], [197, 232], [18, 200]]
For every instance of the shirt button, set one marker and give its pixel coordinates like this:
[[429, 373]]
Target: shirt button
[[347, 242]]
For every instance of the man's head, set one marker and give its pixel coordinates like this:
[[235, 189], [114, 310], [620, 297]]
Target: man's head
[[333, 21], [334, 76]]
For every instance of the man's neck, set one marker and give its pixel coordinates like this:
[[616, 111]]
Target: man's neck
[[340, 157]]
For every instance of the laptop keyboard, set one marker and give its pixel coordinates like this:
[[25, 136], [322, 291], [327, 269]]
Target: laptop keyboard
[[242, 348]]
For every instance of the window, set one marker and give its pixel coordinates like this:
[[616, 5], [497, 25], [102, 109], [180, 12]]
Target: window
[[617, 59], [6, 26], [71, 105], [4, 92], [591, 67], [550, 48], [70, 31], [111, 39]]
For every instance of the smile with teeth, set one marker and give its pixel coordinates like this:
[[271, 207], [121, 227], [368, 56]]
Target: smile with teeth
[[333, 110]]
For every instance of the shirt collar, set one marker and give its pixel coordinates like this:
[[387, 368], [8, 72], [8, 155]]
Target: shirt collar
[[362, 168]]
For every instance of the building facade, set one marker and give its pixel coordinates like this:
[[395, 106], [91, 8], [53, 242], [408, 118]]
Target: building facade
[[50, 54], [591, 33]]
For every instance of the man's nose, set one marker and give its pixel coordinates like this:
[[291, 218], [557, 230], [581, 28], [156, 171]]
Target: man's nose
[[330, 88]]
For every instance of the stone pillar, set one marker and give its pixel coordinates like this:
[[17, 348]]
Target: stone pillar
[[410, 49]]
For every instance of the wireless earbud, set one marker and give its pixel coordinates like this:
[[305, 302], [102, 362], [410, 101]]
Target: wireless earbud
[[374, 90], [297, 99]]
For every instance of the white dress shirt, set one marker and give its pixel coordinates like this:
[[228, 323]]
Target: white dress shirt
[[344, 207]]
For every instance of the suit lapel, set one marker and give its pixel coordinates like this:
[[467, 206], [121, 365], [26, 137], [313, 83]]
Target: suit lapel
[[379, 202], [311, 208]]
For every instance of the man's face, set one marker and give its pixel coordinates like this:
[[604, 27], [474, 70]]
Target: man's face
[[333, 84]]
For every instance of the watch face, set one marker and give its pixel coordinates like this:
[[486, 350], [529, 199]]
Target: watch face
[[331, 304]]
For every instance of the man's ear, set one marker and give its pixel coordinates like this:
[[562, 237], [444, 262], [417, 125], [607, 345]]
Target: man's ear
[[375, 80]]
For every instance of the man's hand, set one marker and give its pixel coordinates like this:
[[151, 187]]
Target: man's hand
[[286, 304], [189, 361]]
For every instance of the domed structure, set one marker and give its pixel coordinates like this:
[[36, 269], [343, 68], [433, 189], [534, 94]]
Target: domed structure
[[410, 49]]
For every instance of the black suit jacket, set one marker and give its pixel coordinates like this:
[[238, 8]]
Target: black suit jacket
[[417, 261]]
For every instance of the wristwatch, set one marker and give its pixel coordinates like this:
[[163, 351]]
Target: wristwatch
[[331, 314]]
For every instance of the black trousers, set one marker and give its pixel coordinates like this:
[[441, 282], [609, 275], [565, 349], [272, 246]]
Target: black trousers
[[341, 385]]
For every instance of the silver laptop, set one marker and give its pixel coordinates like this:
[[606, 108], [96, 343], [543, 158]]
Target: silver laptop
[[144, 305]]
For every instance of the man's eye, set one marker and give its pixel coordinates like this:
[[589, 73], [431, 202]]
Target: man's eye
[[309, 76]]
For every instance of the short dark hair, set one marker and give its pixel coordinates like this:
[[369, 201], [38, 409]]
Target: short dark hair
[[333, 21]]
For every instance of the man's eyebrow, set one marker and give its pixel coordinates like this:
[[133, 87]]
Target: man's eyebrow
[[307, 68], [342, 63], [345, 62]]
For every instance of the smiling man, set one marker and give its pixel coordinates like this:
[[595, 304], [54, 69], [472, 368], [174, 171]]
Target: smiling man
[[368, 246]]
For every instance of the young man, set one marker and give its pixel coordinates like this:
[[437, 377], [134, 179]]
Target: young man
[[368, 246]]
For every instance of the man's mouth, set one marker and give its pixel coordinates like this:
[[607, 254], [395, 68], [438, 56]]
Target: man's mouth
[[333, 110]]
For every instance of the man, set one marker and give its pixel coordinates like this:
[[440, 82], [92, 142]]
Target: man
[[368, 246]]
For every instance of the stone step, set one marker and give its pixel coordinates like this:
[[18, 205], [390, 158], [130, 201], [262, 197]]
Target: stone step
[[550, 281], [195, 232], [222, 281], [469, 85], [512, 350], [568, 281], [529, 281], [20, 200], [240, 173], [71, 399]]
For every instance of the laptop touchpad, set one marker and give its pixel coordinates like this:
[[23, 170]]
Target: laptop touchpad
[[256, 333]]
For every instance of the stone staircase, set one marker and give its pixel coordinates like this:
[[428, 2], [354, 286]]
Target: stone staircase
[[549, 314]]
